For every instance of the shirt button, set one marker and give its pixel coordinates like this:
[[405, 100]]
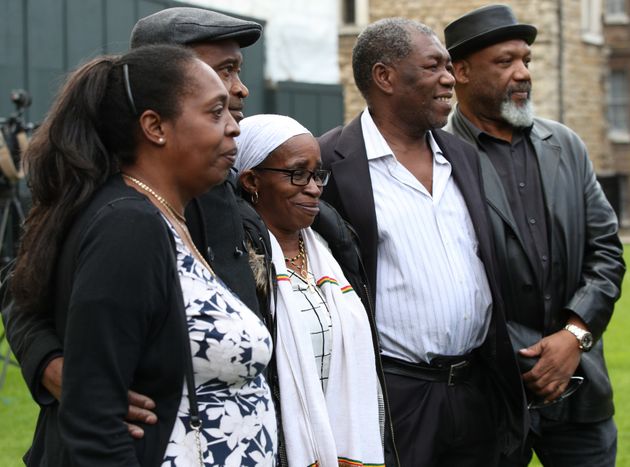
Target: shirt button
[[547, 297], [532, 220], [544, 258], [521, 184]]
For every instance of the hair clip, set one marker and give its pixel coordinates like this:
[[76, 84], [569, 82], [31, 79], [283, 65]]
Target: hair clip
[[128, 89]]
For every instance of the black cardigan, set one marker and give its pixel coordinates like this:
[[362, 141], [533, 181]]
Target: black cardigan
[[119, 314], [217, 231]]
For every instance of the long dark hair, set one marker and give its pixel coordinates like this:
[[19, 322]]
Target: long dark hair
[[91, 129]]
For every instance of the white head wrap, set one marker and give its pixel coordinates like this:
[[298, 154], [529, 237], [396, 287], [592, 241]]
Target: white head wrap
[[260, 135]]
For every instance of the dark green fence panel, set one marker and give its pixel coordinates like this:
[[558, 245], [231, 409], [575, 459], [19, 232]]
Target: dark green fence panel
[[41, 40], [85, 30], [45, 52], [252, 74], [120, 16], [12, 56], [319, 107]]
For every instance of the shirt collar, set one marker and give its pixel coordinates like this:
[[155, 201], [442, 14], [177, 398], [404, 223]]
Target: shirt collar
[[376, 146], [477, 133]]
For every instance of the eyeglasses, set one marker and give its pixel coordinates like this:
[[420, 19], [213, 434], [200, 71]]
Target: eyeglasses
[[302, 177], [574, 384]]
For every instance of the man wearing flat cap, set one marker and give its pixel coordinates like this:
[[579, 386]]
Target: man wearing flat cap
[[213, 218], [559, 254], [217, 40]]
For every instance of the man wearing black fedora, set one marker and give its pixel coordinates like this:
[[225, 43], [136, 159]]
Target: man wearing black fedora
[[556, 239], [213, 219]]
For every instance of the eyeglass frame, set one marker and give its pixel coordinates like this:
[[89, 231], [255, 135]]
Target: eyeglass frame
[[311, 175], [574, 383]]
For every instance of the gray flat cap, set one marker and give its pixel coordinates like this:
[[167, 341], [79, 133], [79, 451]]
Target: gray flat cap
[[183, 25]]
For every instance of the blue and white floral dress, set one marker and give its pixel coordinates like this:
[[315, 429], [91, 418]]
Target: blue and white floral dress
[[231, 347]]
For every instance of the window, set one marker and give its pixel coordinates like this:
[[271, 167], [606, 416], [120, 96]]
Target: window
[[348, 12], [354, 15], [592, 22], [616, 12], [615, 7], [618, 104]]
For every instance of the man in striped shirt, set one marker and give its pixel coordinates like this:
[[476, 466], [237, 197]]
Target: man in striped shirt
[[413, 194]]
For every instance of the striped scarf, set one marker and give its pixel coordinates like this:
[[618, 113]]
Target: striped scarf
[[340, 428]]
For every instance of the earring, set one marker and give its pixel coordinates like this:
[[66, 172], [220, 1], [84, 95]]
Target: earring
[[255, 197], [161, 140]]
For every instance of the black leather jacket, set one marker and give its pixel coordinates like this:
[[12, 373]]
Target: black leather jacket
[[587, 265]]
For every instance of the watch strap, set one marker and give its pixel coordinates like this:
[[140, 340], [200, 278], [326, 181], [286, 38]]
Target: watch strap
[[579, 334]]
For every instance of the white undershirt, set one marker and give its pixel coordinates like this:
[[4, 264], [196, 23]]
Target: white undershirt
[[432, 293]]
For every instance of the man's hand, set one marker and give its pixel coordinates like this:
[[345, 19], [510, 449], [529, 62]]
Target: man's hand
[[559, 356], [51, 379], [140, 406]]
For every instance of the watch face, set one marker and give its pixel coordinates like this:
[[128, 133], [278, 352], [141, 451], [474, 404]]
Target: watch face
[[587, 341]]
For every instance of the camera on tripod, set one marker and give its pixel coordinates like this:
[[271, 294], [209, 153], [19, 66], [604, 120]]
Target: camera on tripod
[[14, 136]]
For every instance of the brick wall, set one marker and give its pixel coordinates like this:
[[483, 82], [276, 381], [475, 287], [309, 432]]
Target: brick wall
[[581, 89]]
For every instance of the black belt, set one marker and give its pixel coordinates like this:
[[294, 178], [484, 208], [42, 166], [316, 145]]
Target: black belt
[[450, 370]]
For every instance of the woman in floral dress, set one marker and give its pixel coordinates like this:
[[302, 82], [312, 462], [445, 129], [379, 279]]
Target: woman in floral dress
[[107, 257]]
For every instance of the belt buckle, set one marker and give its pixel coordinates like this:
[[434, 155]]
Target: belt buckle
[[454, 369]]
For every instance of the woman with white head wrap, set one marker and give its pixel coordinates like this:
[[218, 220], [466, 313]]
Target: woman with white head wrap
[[329, 396]]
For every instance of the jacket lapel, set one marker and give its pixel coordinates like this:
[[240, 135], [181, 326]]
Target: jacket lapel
[[467, 181], [493, 187], [495, 193], [352, 176], [548, 165]]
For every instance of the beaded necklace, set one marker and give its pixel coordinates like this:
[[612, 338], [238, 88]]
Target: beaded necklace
[[302, 267]]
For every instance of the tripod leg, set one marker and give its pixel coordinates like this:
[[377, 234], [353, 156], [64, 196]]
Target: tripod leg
[[19, 211], [12, 202], [6, 211]]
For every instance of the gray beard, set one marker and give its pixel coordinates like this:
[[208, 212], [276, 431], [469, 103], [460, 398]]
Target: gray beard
[[519, 116]]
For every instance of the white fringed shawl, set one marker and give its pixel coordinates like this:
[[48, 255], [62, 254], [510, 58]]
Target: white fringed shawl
[[342, 426]]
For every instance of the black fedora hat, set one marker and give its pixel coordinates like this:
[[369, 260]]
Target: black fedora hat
[[483, 27]]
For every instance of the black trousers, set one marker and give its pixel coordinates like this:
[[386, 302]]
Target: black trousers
[[441, 425]]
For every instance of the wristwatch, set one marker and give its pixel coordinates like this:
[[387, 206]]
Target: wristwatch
[[584, 338]]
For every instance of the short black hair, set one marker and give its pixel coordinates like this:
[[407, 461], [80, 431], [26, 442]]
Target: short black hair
[[384, 41]]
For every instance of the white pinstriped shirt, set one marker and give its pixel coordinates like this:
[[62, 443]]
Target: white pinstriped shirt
[[432, 293]]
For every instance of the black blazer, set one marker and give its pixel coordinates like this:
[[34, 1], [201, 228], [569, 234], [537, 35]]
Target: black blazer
[[119, 313], [350, 192], [213, 220]]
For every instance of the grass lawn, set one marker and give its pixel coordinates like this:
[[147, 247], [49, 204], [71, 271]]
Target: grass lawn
[[618, 361], [18, 412]]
